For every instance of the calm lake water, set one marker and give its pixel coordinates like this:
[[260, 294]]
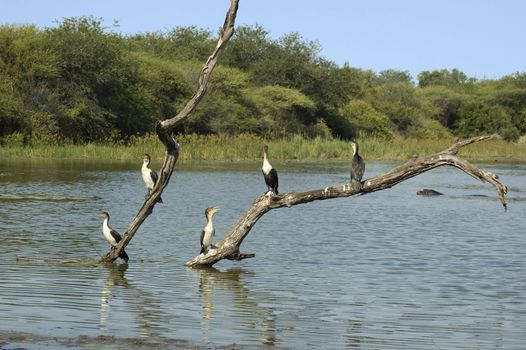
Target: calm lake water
[[389, 270]]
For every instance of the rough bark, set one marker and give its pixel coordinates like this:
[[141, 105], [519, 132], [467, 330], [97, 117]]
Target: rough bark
[[228, 247], [164, 132]]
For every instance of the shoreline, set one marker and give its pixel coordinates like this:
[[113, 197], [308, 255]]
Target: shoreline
[[23, 340], [248, 148]]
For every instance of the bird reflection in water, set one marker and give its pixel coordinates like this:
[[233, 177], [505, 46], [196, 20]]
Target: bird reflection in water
[[354, 337], [212, 280], [115, 278], [140, 303]]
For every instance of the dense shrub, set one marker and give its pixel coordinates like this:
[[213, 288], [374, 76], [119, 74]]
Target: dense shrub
[[81, 82]]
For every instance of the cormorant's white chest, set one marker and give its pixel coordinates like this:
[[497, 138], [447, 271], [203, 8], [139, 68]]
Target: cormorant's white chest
[[266, 166], [106, 230], [147, 176], [209, 233]]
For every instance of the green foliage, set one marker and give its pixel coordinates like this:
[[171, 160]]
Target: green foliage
[[443, 77], [282, 111], [340, 126], [365, 120], [289, 62], [88, 56], [220, 115], [514, 100], [477, 117], [162, 86], [228, 81], [98, 82], [11, 108], [398, 102], [247, 147], [181, 43], [357, 81], [44, 116], [224, 109], [247, 48], [428, 129], [24, 56], [441, 103], [394, 76], [81, 82]]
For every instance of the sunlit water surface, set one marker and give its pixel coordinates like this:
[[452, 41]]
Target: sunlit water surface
[[389, 270]]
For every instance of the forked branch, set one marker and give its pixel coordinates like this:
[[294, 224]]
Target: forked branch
[[164, 132], [228, 247]]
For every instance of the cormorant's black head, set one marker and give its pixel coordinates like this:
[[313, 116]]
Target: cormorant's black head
[[146, 158], [265, 149], [104, 215]]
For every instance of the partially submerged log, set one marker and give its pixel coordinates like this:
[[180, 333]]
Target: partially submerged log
[[228, 247], [428, 192], [164, 132]]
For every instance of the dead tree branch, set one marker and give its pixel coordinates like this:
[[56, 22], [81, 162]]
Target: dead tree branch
[[228, 247], [164, 132]]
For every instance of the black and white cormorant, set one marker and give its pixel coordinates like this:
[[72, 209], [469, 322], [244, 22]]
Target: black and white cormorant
[[357, 164], [207, 235], [112, 236], [149, 176], [269, 173]]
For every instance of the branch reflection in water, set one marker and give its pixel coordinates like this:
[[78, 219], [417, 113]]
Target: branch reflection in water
[[245, 301], [125, 297]]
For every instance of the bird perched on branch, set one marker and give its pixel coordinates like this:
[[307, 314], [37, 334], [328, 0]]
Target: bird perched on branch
[[149, 176], [269, 173], [357, 164], [112, 236], [207, 235]]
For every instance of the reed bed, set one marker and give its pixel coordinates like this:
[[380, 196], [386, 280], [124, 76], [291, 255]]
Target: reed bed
[[195, 148]]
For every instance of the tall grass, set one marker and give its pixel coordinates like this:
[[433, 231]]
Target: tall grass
[[249, 148]]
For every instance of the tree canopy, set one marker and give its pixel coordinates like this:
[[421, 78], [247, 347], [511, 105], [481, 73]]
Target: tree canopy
[[82, 82]]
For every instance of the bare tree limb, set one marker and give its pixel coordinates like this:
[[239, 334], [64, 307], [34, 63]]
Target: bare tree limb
[[228, 247], [164, 132]]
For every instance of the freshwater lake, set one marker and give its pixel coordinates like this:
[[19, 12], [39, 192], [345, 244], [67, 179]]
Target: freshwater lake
[[388, 270]]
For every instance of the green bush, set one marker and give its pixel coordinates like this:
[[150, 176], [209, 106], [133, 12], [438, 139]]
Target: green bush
[[281, 111], [478, 118], [81, 81], [398, 102], [365, 120], [429, 129]]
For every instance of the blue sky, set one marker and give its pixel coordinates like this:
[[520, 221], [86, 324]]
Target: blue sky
[[483, 38]]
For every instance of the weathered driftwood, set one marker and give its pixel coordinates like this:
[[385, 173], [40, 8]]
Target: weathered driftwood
[[164, 132], [228, 247]]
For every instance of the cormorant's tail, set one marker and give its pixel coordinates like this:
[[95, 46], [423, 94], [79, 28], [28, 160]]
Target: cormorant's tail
[[203, 249], [124, 256]]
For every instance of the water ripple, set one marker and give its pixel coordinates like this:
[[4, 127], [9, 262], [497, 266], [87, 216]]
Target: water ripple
[[389, 270]]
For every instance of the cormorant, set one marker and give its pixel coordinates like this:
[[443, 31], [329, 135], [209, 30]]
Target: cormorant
[[357, 164], [269, 173], [207, 235], [112, 236], [149, 176]]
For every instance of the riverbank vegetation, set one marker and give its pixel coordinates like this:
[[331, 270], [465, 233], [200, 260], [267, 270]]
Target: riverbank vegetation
[[81, 88], [247, 147]]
